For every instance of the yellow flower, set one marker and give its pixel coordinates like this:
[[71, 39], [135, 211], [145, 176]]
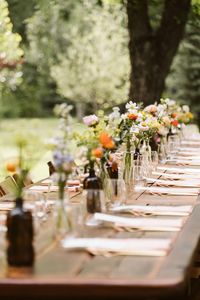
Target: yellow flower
[[190, 115]]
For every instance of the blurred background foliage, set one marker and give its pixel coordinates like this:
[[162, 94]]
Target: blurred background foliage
[[77, 51]]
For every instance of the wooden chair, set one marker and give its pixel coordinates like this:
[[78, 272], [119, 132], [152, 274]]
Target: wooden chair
[[27, 182], [51, 168], [8, 186]]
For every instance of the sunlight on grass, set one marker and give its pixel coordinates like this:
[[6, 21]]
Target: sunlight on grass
[[38, 132]]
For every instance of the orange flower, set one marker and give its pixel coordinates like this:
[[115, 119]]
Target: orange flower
[[132, 117], [98, 152], [12, 166], [175, 123], [190, 115], [173, 115], [106, 141]]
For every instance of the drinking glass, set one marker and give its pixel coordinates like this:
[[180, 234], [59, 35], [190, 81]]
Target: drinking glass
[[172, 146], [115, 192], [139, 175], [74, 217], [154, 160]]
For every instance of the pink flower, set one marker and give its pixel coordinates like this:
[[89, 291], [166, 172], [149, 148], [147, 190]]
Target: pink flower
[[91, 120]]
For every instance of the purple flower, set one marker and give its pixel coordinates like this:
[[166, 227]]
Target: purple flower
[[91, 120]]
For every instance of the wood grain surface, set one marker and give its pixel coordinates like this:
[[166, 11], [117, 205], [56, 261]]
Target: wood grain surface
[[61, 274]]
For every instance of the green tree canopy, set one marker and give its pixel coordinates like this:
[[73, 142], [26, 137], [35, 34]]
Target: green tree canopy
[[10, 51]]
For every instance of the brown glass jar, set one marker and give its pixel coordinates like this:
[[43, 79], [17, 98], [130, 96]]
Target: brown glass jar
[[93, 185], [20, 233]]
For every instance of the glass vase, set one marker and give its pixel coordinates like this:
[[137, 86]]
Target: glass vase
[[93, 187], [61, 218], [128, 170]]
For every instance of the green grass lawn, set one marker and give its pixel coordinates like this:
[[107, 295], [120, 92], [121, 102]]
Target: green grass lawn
[[38, 132]]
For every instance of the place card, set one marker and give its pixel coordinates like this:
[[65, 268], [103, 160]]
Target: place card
[[141, 223], [168, 191], [131, 246], [164, 210]]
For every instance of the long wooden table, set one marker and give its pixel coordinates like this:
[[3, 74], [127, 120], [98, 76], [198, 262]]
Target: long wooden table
[[59, 274]]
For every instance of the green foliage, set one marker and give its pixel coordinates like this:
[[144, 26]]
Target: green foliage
[[10, 51], [85, 47], [183, 83]]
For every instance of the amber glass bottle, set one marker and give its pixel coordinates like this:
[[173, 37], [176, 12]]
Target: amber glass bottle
[[93, 185], [20, 251]]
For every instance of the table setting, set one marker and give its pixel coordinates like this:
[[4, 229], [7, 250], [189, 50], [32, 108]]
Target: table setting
[[119, 199]]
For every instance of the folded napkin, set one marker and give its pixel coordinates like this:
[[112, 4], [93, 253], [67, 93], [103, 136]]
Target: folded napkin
[[169, 191], [181, 210], [49, 181], [184, 183], [44, 188], [177, 176], [189, 149], [6, 206], [189, 154], [3, 228], [177, 170], [103, 246], [52, 188], [196, 143], [188, 162], [141, 223], [188, 157]]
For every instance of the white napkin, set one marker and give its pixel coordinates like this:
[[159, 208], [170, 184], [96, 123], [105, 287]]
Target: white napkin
[[147, 224], [144, 246], [183, 183], [183, 170], [181, 210], [186, 142], [44, 188], [188, 162], [177, 176], [189, 149], [6, 206], [52, 188], [189, 154], [169, 191]]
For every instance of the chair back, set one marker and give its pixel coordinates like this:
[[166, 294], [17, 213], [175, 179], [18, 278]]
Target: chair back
[[8, 186]]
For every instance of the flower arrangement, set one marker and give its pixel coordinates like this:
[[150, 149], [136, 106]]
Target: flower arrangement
[[62, 159], [19, 166], [137, 125]]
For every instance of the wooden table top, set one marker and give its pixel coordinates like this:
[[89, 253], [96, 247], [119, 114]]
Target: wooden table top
[[77, 274]]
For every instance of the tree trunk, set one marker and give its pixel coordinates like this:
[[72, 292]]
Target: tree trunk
[[152, 52]]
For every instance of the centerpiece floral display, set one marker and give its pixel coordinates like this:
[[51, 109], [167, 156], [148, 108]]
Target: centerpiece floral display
[[63, 164], [135, 132]]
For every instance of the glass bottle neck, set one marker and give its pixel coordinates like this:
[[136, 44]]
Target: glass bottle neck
[[19, 202]]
